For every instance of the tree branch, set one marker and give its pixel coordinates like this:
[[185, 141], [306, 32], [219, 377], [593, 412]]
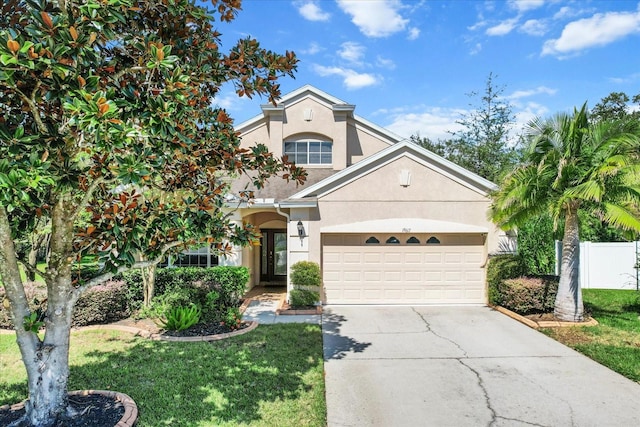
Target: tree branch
[[33, 107], [87, 196]]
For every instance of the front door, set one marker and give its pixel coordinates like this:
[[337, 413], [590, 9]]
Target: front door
[[273, 256]]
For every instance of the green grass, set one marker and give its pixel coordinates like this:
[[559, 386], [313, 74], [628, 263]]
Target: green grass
[[272, 376], [615, 342]]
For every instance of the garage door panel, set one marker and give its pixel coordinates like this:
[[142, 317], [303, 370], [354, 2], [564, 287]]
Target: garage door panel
[[372, 276], [352, 276], [402, 274], [412, 276], [433, 258], [392, 258], [352, 258], [413, 258], [372, 258]]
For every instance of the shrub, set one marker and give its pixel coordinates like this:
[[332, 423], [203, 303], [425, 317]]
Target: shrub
[[305, 273], [180, 318], [306, 280], [302, 297], [133, 282], [36, 298], [232, 318], [174, 298], [103, 303], [501, 268], [536, 245], [214, 290], [528, 295]]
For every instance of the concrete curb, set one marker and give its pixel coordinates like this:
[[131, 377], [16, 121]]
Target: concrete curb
[[537, 324]]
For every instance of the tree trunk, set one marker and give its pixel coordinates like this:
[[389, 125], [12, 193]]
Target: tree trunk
[[47, 360], [33, 261], [568, 304], [148, 283]]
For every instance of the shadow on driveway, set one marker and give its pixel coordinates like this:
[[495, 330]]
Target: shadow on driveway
[[335, 345]]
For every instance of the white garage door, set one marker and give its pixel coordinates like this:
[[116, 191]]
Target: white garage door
[[403, 269]]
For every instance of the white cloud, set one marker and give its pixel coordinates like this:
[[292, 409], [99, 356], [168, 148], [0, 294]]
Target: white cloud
[[352, 52], [385, 63], [477, 48], [312, 49], [525, 5], [478, 25], [527, 113], [534, 27], [599, 30], [414, 33], [351, 79], [380, 18], [531, 92], [312, 12], [432, 122], [503, 28], [623, 80]]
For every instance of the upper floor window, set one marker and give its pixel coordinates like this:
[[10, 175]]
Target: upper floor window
[[309, 152]]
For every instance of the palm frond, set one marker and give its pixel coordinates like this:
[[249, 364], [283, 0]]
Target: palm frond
[[623, 217]]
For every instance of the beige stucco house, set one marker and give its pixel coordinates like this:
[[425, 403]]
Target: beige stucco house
[[388, 221]]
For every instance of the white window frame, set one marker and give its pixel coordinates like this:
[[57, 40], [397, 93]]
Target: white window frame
[[325, 148]]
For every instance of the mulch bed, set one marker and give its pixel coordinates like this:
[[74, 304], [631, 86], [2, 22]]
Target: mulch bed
[[96, 410], [204, 329]]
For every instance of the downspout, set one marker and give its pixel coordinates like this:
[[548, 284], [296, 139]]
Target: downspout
[[286, 215]]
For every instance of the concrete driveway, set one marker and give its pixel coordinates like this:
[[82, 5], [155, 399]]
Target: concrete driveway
[[462, 366]]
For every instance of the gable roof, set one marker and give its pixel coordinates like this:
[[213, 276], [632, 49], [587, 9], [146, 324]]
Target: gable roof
[[323, 98], [404, 148]]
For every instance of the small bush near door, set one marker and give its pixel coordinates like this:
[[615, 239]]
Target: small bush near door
[[306, 280]]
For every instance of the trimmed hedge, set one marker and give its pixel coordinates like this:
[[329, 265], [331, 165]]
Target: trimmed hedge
[[214, 290], [501, 268], [306, 280], [104, 303], [529, 295]]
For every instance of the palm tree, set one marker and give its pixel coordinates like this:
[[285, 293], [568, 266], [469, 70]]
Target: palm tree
[[571, 164]]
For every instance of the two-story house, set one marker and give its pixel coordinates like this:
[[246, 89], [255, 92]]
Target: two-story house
[[388, 221]]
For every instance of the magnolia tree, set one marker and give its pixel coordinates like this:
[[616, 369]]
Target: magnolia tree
[[109, 133]]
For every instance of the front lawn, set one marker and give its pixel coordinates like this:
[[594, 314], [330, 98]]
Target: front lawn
[[272, 376], [615, 342]]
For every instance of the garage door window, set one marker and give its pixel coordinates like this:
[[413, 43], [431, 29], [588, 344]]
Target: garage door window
[[372, 241], [433, 241], [393, 240], [413, 239]]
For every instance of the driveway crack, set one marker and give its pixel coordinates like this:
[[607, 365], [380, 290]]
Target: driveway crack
[[429, 329], [522, 421], [494, 415]]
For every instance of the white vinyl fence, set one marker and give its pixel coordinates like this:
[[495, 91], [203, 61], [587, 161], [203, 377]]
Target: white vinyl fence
[[606, 265]]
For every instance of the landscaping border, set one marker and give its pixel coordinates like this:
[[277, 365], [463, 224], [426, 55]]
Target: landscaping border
[[159, 337], [128, 419], [537, 324]]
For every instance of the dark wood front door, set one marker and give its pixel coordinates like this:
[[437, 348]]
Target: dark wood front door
[[273, 256]]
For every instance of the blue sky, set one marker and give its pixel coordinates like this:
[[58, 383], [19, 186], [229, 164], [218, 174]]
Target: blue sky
[[408, 65]]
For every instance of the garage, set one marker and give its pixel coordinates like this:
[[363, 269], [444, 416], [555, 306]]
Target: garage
[[404, 268]]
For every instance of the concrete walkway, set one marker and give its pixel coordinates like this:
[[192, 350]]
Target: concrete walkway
[[263, 305], [462, 366]]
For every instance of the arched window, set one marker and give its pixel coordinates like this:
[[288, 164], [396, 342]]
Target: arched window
[[393, 240], [413, 239], [372, 241], [433, 240]]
